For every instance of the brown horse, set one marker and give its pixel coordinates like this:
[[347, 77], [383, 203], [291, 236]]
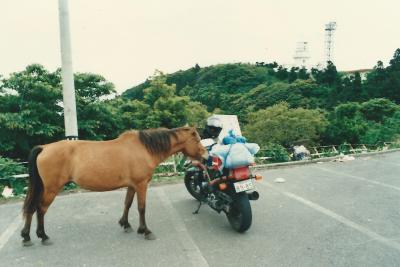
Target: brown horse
[[127, 161]]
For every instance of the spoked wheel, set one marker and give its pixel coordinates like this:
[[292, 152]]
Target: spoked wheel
[[191, 186], [239, 215]]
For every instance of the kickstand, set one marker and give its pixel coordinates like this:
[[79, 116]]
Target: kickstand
[[198, 208]]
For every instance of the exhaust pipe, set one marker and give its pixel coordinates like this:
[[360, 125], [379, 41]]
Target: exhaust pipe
[[253, 195]]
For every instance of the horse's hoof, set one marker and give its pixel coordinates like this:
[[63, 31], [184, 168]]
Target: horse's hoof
[[47, 242], [27, 243], [122, 222], [128, 230], [150, 236]]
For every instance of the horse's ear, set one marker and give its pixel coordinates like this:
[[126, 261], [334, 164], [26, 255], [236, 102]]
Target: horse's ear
[[186, 127]]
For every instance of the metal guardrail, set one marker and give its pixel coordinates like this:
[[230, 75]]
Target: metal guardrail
[[25, 175], [352, 148], [334, 150], [318, 152], [170, 163], [14, 163]]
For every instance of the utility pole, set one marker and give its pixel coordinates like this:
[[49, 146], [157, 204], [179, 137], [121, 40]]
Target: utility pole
[[70, 121]]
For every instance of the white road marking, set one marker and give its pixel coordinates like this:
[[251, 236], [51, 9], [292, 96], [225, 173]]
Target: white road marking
[[362, 229], [193, 252], [359, 178], [5, 236]]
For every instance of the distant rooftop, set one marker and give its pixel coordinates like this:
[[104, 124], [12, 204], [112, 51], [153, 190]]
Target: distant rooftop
[[358, 70]]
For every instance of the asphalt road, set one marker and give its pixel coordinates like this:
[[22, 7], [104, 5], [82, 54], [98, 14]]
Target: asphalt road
[[328, 214]]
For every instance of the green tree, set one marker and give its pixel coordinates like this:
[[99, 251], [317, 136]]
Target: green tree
[[197, 114], [385, 82], [209, 95], [133, 114], [347, 124], [351, 89], [378, 109], [328, 76], [368, 122], [158, 88], [300, 93], [281, 125], [357, 87], [215, 86], [30, 110], [171, 111], [375, 80], [96, 115], [282, 73], [391, 86], [136, 92], [168, 109], [387, 131], [292, 76], [303, 74], [264, 96]]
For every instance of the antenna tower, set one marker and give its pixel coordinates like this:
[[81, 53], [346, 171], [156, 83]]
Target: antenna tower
[[329, 31]]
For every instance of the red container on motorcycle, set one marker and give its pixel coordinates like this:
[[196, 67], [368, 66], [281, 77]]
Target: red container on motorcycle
[[240, 173]]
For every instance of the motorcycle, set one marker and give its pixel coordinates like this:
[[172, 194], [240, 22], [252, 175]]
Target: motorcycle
[[226, 190]]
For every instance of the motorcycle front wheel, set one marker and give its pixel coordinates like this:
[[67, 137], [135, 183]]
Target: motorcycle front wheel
[[239, 215], [191, 185]]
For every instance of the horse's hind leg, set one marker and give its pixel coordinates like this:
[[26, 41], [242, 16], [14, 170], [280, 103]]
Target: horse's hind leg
[[141, 191], [26, 230], [130, 194], [47, 199]]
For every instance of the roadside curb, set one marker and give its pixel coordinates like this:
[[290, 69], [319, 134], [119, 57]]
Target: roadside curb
[[305, 162]]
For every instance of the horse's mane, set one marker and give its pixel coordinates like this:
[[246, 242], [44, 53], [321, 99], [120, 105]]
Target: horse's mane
[[157, 141]]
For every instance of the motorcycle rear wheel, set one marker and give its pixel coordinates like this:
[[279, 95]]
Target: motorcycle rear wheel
[[239, 215]]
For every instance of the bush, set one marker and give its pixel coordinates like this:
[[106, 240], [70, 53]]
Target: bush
[[70, 186], [8, 168], [18, 185], [276, 152]]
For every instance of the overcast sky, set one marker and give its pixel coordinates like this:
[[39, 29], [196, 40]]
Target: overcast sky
[[127, 40]]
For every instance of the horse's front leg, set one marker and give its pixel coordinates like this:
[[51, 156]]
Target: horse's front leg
[[130, 194], [141, 196]]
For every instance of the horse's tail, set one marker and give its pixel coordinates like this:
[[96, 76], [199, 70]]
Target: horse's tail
[[35, 189]]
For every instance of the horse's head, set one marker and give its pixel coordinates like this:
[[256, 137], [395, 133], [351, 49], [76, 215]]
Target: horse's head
[[192, 147]]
